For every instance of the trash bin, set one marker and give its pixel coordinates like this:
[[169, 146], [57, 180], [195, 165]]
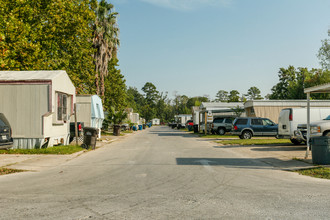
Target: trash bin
[[90, 136], [195, 128], [190, 128], [140, 127], [134, 128], [320, 150], [144, 126], [116, 130]]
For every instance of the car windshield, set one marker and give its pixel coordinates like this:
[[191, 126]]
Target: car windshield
[[268, 122], [327, 118]]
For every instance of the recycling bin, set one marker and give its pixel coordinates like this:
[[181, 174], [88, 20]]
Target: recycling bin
[[140, 127], [320, 150], [90, 137]]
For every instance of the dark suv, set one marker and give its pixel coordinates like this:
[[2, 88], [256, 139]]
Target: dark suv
[[6, 140], [248, 127]]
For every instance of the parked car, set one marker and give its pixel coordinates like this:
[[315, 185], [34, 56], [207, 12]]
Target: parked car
[[318, 128], [6, 139], [221, 125], [247, 127], [290, 118]]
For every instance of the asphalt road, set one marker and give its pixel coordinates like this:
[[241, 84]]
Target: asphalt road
[[160, 173]]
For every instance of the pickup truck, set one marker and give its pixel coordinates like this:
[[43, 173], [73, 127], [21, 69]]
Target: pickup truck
[[221, 125], [318, 128]]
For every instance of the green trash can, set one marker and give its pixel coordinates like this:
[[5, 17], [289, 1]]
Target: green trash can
[[320, 150]]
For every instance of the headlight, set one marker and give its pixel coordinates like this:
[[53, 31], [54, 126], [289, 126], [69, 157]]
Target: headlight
[[315, 129]]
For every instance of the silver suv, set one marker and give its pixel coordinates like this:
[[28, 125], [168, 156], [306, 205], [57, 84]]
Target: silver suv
[[221, 125]]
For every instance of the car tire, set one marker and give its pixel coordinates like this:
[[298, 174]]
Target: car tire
[[246, 135], [221, 131], [295, 141], [327, 133]]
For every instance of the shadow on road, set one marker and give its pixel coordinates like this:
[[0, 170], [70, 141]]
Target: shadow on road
[[248, 163]]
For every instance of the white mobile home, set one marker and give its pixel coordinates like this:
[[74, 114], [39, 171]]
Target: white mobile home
[[155, 121], [38, 105], [90, 111]]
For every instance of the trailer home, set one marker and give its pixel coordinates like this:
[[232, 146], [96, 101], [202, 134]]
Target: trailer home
[[38, 105], [90, 111]]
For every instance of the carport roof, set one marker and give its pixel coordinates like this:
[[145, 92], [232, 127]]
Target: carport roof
[[325, 88]]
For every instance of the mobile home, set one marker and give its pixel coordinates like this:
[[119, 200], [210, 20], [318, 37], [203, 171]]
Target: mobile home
[[38, 105], [90, 111]]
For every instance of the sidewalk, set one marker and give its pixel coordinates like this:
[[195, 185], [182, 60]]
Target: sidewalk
[[38, 162]]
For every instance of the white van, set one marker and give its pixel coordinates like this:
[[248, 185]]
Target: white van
[[290, 118]]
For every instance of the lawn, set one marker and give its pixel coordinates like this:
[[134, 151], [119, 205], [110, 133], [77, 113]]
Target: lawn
[[318, 172], [69, 149], [254, 141]]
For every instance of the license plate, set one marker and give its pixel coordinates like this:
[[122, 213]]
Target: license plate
[[4, 137]]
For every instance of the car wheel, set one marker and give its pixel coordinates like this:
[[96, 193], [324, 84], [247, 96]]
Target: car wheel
[[327, 133], [295, 141], [221, 131], [246, 135]]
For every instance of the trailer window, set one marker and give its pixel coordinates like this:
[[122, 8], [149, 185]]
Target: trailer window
[[61, 107]]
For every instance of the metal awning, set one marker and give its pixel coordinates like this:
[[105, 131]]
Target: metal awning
[[325, 88]]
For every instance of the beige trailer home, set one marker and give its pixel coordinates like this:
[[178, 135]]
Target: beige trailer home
[[271, 108], [38, 105], [90, 111]]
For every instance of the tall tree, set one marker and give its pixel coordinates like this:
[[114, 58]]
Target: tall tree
[[222, 96], [292, 83], [233, 96], [254, 93], [105, 41], [324, 53], [115, 88], [48, 35]]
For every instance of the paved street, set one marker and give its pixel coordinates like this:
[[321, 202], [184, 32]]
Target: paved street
[[160, 173]]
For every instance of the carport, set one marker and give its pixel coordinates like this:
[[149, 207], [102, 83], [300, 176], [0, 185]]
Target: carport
[[325, 88]]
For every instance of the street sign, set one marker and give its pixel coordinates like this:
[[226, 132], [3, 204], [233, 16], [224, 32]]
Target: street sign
[[209, 117]]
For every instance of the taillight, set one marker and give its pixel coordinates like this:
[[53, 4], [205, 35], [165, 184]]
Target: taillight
[[79, 127], [235, 127], [290, 117]]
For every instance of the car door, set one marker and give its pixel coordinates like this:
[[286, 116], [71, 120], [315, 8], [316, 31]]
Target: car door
[[257, 126], [269, 128]]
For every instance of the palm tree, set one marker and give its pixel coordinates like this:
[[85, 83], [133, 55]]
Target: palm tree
[[105, 41]]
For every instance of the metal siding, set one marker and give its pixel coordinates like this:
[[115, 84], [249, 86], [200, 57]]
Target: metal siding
[[24, 106]]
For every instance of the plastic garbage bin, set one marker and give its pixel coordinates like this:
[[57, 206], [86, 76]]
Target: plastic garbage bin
[[140, 127], [116, 130], [144, 126], [320, 150], [195, 128], [134, 128], [90, 136]]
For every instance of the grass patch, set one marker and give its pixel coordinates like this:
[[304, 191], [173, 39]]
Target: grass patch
[[217, 136], [4, 171], [254, 141], [318, 172], [69, 149]]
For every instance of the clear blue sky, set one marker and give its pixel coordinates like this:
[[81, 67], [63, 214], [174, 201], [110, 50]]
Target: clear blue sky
[[198, 47]]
